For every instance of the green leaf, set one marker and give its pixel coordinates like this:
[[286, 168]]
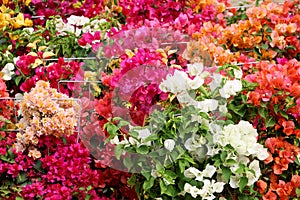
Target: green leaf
[[143, 149], [298, 191], [87, 197], [269, 30], [182, 165], [131, 181], [17, 80], [269, 38], [148, 184], [284, 114], [270, 121], [168, 190], [223, 156], [152, 137], [257, 51], [38, 165], [226, 174], [264, 46], [291, 47], [89, 188], [118, 151], [263, 112], [123, 123], [230, 162], [242, 184]]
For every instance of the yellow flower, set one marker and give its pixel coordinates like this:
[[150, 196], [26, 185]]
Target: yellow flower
[[19, 21], [48, 54], [33, 44], [27, 2], [129, 53]]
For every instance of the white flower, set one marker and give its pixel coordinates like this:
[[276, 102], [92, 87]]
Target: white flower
[[209, 171], [193, 172], [195, 69], [238, 73], [252, 178], [208, 105], [193, 190], [195, 142], [234, 181], [143, 133], [175, 83], [8, 71], [169, 144], [223, 108], [218, 187], [16, 59], [78, 20], [231, 87], [217, 80], [195, 83]]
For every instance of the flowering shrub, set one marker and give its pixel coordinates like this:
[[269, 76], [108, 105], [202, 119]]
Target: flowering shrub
[[192, 150], [177, 113]]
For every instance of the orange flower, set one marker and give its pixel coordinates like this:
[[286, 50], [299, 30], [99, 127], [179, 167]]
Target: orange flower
[[288, 127], [270, 196], [262, 186]]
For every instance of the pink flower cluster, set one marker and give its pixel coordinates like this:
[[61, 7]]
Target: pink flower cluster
[[33, 69]]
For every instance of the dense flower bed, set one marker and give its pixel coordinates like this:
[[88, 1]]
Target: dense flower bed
[[184, 99]]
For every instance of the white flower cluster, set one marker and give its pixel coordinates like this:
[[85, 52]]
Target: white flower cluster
[[78, 25], [243, 138], [231, 87], [180, 83], [209, 186]]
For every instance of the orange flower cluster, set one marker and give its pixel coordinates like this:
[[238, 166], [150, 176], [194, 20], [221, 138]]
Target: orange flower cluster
[[45, 112], [270, 28], [279, 189], [282, 153]]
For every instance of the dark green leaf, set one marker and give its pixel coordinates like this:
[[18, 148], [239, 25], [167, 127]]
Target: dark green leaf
[[270, 121], [226, 174], [242, 184], [148, 183], [143, 149]]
